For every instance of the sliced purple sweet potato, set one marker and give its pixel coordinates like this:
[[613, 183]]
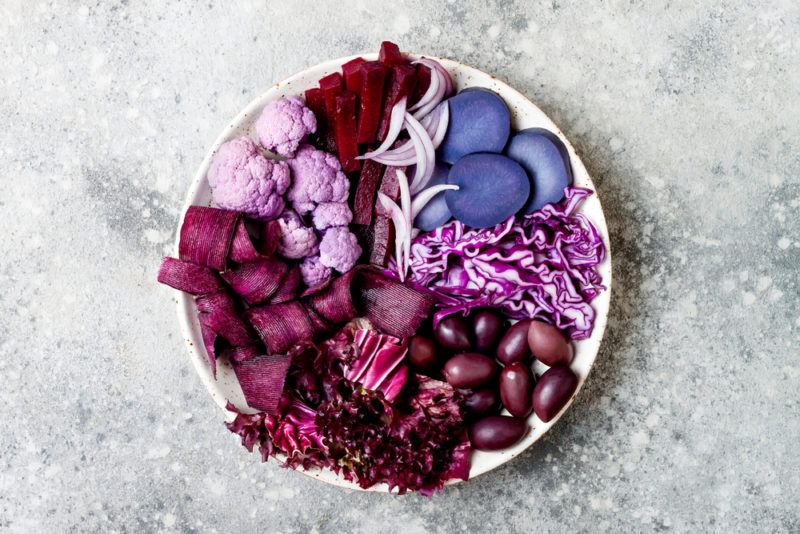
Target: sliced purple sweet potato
[[188, 277], [435, 213], [546, 160], [206, 236]]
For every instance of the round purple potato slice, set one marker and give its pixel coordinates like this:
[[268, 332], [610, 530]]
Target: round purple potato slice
[[479, 122], [435, 213], [546, 160], [492, 188]]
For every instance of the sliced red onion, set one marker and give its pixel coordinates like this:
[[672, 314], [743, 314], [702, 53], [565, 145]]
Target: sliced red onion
[[405, 205], [426, 154], [448, 81], [439, 125], [439, 82], [433, 95], [400, 230], [395, 127], [426, 195]]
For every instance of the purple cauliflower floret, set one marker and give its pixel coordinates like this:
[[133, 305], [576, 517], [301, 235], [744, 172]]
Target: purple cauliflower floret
[[317, 177], [284, 124], [330, 214], [297, 240], [242, 179], [339, 249], [313, 272]]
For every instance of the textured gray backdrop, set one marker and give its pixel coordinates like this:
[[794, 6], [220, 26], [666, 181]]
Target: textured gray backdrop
[[687, 114]]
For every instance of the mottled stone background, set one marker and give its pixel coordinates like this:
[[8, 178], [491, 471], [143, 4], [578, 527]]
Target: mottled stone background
[[687, 114]]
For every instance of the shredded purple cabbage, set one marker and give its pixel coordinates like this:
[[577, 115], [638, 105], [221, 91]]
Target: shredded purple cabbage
[[543, 265]]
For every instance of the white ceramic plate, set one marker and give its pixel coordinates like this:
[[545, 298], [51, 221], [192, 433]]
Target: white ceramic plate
[[524, 114]]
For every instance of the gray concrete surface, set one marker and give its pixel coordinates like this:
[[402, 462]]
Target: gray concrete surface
[[687, 114]]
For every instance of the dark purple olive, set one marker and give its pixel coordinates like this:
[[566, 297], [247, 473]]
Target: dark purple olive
[[469, 370], [452, 334], [496, 432], [422, 352], [487, 325], [482, 402], [553, 391], [513, 345], [516, 386], [549, 345]]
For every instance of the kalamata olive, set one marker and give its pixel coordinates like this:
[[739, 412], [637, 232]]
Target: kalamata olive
[[513, 345], [469, 370], [482, 402], [422, 352], [452, 334], [496, 432], [552, 392], [487, 325], [516, 386], [549, 345]]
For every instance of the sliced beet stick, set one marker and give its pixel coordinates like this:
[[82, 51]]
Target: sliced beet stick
[[373, 78], [352, 75], [345, 126], [402, 84]]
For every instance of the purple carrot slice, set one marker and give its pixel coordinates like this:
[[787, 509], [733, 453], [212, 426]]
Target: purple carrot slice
[[289, 287], [270, 238], [280, 325], [188, 277], [206, 236], [210, 342], [242, 248], [390, 305], [368, 182], [240, 354], [256, 281], [373, 78], [335, 303], [219, 313], [262, 379]]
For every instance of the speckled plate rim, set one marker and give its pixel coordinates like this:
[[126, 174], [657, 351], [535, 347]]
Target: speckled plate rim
[[525, 114]]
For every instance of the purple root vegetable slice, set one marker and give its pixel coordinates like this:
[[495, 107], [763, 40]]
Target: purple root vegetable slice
[[491, 188], [210, 342], [271, 234], [368, 182], [257, 281], [206, 236], [241, 354], [219, 313], [546, 160], [479, 122], [188, 277], [319, 326], [289, 287], [335, 302], [262, 379], [242, 248], [391, 306], [281, 325], [435, 213]]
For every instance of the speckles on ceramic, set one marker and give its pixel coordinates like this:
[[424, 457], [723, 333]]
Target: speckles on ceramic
[[687, 117]]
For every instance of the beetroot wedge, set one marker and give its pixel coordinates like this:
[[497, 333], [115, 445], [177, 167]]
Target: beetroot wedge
[[364, 201], [423, 82], [352, 74], [316, 103], [373, 78], [345, 125], [391, 55], [382, 240], [389, 187], [403, 81]]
